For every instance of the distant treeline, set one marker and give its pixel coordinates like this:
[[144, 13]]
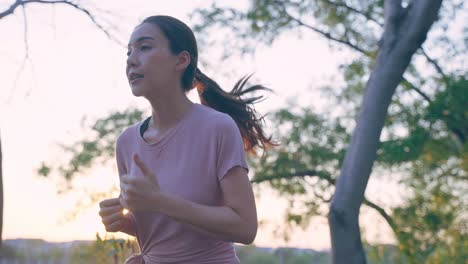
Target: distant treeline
[[112, 251]]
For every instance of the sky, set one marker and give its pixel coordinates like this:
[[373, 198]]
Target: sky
[[75, 71]]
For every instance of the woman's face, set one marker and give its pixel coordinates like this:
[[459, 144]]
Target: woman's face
[[150, 63]]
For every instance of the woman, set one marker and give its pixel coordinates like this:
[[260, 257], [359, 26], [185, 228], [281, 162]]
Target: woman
[[183, 172]]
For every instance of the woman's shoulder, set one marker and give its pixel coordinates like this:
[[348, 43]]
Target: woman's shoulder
[[214, 119], [128, 133]]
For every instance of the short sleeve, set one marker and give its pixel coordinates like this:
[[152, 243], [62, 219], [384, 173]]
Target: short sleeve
[[129, 225], [230, 147], [119, 155]]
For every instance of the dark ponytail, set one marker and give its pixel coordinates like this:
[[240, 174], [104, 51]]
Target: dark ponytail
[[239, 109], [181, 38]]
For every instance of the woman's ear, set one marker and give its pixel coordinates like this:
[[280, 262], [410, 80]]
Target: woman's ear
[[183, 61]]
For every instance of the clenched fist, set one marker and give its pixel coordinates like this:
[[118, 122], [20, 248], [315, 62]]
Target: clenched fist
[[111, 212]]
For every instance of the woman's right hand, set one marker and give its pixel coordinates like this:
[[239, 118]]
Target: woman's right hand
[[111, 212]]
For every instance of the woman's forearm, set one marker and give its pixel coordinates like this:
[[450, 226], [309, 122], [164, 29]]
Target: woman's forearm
[[221, 222]]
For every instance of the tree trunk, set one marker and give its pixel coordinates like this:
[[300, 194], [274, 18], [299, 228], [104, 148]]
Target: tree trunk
[[405, 31], [1, 194]]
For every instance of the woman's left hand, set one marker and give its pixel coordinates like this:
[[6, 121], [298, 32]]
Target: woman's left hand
[[139, 193]]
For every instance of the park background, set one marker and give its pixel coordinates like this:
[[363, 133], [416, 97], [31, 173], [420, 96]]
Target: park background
[[61, 73]]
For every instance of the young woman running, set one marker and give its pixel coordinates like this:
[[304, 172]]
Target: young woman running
[[183, 171]]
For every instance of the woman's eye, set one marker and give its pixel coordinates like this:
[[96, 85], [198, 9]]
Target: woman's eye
[[142, 48]]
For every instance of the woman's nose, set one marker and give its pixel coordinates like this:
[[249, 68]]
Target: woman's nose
[[131, 60]]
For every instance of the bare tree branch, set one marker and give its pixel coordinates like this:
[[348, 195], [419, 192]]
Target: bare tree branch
[[323, 175], [352, 9], [435, 64], [26, 58], [26, 47], [321, 32], [384, 214], [356, 48], [329, 36], [347, 43], [17, 3], [23, 3], [416, 89], [11, 9], [422, 51]]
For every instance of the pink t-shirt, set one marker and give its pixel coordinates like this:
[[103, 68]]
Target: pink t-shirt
[[189, 161]]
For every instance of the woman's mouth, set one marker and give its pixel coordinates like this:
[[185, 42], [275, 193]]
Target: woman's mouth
[[135, 77]]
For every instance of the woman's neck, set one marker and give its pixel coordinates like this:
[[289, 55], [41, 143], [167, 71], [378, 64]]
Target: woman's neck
[[168, 111]]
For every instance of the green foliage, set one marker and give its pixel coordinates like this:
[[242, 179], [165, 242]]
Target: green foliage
[[99, 147], [311, 142], [424, 138], [250, 254], [304, 168], [265, 20], [450, 106], [96, 147], [261, 258], [103, 251], [426, 223], [7, 251], [113, 250], [31, 251], [398, 150], [305, 258], [383, 254]]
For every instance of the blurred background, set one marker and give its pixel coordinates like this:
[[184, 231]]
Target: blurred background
[[64, 99]]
